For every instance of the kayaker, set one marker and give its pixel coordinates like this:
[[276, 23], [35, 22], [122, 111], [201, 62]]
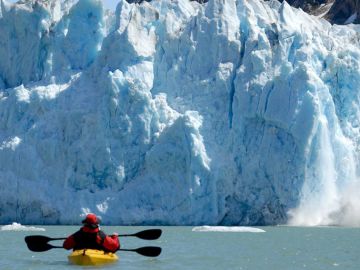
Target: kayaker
[[90, 236]]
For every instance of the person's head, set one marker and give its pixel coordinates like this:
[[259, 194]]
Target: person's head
[[91, 221]]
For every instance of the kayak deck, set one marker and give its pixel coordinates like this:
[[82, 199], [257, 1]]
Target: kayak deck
[[92, 257]]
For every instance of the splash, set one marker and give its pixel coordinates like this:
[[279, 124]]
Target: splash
[[331, 188]]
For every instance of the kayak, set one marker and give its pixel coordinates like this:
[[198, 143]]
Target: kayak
[[92, 257]]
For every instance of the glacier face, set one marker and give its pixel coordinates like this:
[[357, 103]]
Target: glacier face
[[173, 112]]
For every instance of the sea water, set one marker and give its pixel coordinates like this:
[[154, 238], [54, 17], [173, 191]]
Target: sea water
[[275, 248]]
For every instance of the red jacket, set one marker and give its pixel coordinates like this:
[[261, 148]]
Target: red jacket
[[92, 238]]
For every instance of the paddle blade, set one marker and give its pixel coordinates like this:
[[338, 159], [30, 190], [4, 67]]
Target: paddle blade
[[37, 246], [39, 239], [40, 248], [149, 251], [39, 243], [151, 234]]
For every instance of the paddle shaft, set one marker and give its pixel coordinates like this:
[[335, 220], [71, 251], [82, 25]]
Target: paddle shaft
[[64, 238], [151, 234], [145, 251]]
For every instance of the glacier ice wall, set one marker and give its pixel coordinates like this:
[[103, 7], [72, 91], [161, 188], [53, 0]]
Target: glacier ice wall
[[173, 112]]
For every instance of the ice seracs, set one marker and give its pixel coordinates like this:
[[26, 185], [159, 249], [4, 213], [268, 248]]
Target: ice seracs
[[230, 112]]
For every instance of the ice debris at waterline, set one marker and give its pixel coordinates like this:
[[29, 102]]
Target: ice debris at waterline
[[227, 229], [18, 227], [173, 112]]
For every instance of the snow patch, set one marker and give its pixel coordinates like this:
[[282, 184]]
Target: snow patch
[[12, 143]]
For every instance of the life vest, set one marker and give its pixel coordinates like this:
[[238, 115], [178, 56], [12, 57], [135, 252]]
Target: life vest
[[91, 239]]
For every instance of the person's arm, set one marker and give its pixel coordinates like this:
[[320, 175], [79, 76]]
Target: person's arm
[[111, 243], [69, 243]]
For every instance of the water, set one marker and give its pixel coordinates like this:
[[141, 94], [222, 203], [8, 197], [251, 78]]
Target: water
[[279, 248]]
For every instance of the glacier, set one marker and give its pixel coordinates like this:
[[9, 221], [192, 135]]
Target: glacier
[[177, 113]]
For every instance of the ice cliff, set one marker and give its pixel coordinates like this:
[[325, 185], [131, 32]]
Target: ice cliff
[[173, 112]]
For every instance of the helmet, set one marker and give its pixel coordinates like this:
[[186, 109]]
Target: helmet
[[91, 221]]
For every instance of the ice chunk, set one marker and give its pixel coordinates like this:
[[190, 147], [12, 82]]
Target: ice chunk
[[227, 229], [18, 227]]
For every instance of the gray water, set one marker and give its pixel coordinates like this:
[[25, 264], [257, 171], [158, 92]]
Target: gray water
[[279, 248]]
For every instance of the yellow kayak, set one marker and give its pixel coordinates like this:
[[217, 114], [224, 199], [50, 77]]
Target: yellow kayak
[[92, 257]]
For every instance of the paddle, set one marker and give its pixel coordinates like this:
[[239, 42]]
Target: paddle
[[145, 251], [41, 240], [151, 234], [39, 243], [40, 246], [43, 246]]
